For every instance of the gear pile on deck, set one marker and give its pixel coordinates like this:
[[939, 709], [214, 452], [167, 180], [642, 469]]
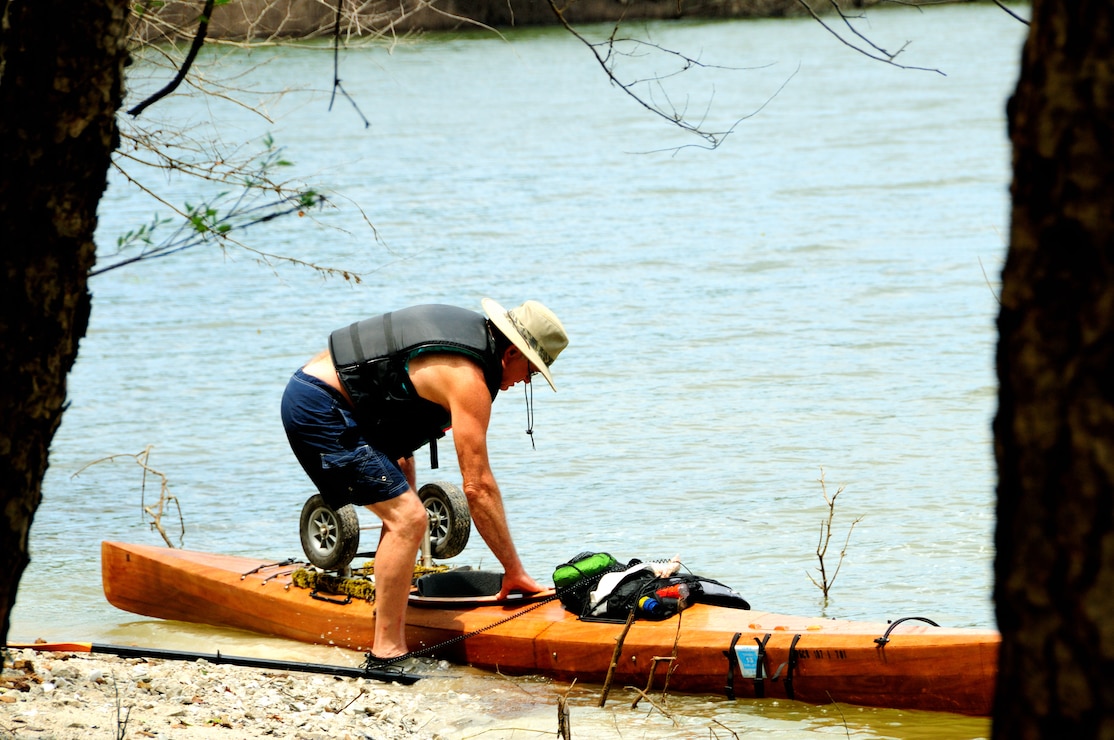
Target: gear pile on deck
[[595, 586]]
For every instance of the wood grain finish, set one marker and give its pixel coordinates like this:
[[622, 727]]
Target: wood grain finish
[[919, 667]]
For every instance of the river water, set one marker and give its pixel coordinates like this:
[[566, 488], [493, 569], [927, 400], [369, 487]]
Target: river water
[[813, 298]]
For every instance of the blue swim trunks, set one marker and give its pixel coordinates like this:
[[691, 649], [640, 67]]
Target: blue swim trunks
[[327, 441]]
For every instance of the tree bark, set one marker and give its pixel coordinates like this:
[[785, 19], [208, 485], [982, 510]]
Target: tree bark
[[61, 71], [1054, 429]]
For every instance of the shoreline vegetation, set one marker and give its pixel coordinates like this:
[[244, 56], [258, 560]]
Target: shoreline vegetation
[[272, 20]]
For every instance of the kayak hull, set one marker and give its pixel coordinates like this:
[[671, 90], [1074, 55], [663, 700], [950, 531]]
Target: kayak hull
[[713, 650]]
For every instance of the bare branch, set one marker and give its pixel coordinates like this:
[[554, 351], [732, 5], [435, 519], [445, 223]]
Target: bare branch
[[825, 584], [879, 54], [195, 47], [1015, 16], [669, 111], [843, 552], [336, 69], [165, 498]]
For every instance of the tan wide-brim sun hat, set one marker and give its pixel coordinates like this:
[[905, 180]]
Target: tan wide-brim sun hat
[[534, 329]]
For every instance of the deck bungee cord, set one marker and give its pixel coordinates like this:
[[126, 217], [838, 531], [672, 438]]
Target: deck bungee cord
[[885, 638], [374, 662], [573, 579]]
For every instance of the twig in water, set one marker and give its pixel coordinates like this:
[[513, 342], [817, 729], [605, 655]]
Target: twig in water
[[615, 656], [673, 655], [165, 496], [650, 679], [825, 584], [564, 728], [671, 660], [717, 722], [843, 717], [654, 704]]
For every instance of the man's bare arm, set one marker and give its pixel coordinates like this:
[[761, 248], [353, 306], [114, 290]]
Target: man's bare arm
[[458, 385]]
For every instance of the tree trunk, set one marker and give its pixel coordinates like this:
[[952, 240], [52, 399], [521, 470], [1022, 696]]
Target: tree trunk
[[61, 70], [1054, 430]]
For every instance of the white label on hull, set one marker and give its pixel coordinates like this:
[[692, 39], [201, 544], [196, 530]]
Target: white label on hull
[[747, 657]]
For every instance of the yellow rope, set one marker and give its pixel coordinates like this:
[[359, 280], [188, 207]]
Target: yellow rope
[[358, 586]]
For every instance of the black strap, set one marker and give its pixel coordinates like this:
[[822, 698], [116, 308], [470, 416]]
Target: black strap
[[354, 336], [759, 669], [792, 665], [389, 337], [388, 334], [729, 687], [315, 595]]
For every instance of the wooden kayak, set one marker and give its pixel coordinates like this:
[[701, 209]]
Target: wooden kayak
[[907, 664]]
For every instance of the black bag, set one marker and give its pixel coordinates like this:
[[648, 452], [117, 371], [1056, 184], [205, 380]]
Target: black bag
[[663, 595], [576, 578], [617, 605]]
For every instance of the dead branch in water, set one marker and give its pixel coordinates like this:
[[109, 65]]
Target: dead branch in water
[[166, 499], [825, 584], [564, 726], [615, 656]]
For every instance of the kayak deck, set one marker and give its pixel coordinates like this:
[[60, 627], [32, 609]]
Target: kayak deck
[[706, 649]]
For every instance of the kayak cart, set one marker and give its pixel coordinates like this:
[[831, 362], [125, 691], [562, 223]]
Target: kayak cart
[[331, 536]]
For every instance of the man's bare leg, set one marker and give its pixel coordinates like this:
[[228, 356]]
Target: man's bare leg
[[404, 524]]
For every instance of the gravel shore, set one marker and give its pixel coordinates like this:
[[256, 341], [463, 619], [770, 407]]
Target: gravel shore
[[64, 696], [81, 696], [78, 696]]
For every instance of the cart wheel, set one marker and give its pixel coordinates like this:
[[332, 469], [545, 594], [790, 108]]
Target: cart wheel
[[450, 521], [330, 537]]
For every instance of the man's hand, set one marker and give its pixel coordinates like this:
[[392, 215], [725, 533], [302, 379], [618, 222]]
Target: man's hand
[[521, 584]]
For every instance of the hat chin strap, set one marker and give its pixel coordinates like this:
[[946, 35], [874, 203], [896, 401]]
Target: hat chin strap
[[528, 391]]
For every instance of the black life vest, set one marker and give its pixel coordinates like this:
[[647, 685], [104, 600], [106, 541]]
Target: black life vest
[[371, 358]]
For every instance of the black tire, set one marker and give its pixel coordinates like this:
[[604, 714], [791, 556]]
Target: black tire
[[330, 537], [450, 521]]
